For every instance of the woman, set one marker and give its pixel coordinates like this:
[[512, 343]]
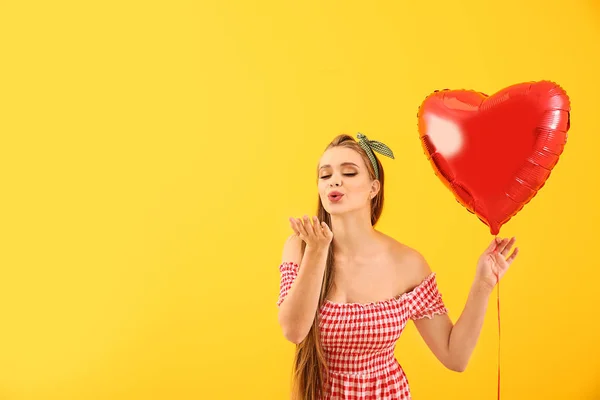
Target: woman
[[348, 290]]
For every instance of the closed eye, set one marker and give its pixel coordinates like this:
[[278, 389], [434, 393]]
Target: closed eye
[[327, 176]]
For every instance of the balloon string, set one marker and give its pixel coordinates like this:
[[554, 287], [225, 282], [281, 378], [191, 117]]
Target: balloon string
[[498, 301], [498, 306]]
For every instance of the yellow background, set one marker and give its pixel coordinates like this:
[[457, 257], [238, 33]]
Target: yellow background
[[151, 153]]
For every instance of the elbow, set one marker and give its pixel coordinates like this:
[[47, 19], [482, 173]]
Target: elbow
[[293, 334], [457, 366]]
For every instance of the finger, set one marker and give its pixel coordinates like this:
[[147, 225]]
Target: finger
[[293, 225], [491, 246], [317, 227], [308, 226], [297, 227], [513, 255], [301, 229], [502, 246], [312, 226], [326, 230], [509, 244]]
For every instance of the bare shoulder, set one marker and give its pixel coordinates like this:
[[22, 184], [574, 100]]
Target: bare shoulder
[[292, 250], [411, 264]]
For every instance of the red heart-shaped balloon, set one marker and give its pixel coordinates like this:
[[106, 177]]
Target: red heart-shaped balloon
[[495, 152]]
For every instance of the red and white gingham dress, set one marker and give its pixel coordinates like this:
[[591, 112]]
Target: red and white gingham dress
[[359, 339]]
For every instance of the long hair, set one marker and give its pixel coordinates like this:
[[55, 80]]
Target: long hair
[[310, 370]]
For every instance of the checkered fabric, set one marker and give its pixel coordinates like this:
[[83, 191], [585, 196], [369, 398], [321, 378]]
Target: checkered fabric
[[359, 339], [369, 146]]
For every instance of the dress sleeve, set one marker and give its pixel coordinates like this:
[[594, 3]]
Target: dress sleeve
[[425, 300], [288, 271]]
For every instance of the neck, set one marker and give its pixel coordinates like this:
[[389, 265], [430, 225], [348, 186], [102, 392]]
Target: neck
[[352, 231]]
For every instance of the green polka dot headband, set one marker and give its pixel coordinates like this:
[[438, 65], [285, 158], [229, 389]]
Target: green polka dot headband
[[372, 145]]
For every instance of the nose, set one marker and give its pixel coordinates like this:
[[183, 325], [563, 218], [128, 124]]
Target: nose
[[336, 184]]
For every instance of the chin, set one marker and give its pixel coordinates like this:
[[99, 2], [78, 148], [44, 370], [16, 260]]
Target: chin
[[336, 209]]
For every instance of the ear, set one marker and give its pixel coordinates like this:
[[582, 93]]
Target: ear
[[375, 186]]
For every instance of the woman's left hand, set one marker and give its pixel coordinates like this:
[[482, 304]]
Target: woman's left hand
[[494, 262]]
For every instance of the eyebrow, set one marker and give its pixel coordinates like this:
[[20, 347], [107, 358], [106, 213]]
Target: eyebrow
[[342, 164]]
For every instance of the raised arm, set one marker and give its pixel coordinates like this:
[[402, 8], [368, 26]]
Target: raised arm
[[453, 344], [302, 278]]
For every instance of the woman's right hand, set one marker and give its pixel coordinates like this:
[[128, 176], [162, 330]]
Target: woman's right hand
[[317, 234]]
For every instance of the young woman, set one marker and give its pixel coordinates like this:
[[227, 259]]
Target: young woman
[[348, 290]]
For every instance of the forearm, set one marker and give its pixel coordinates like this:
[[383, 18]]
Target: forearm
[[466, 331], [297, 311]]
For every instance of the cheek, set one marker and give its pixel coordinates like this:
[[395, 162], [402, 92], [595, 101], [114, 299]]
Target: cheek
[[359, 188], [322, 187]]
